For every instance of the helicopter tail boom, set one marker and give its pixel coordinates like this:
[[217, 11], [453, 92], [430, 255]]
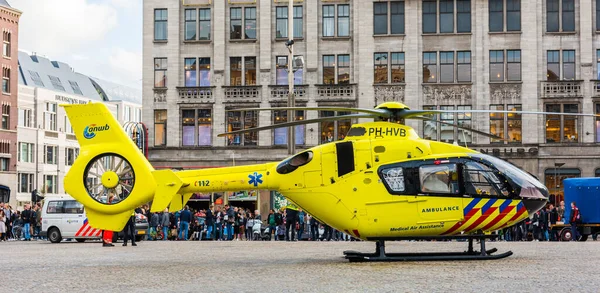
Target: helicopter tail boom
[[111, 176]]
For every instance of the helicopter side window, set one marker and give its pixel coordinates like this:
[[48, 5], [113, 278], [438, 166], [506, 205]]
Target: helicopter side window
[[394, 178], [481, 180], [441, 179]]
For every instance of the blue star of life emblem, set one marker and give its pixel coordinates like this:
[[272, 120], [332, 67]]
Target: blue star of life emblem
[[255, 179]]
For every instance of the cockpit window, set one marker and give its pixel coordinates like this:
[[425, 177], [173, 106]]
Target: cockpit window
[[439, 179], [482, 180], [294, 162]]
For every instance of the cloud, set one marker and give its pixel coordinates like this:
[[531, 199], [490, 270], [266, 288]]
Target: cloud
[[127, 63], [54, 27], [125, 3]]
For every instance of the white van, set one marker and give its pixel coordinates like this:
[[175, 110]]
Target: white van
[[64, 217]]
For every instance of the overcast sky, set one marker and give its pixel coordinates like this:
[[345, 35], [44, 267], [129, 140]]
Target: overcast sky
[[100, 38]]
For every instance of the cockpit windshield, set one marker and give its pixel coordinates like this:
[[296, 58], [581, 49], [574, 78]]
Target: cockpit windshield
[[527, 183]]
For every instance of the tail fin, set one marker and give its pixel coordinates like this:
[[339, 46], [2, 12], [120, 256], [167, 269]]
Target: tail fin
[[111, 176]]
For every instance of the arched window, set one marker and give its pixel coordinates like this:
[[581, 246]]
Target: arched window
[[6, 80]]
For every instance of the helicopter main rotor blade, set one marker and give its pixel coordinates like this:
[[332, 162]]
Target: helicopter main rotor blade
[[378, 112], [461, 127], [412, 113], [299, 122]]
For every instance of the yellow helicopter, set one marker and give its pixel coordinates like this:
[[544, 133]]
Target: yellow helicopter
[[382, 182]]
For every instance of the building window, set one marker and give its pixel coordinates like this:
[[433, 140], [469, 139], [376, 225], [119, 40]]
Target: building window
[[6, 44], [334, 130], [4, 164], [238, 120], [247, 16], [160, 127], [51, 154], [70, 156], [282, 22], [75, 88], [568, 64], [330, 68], [398, 67], [239, 65], [68, 127], [597, 15], [160, 24], [6, 117], [429, 67], [36, 78], [597, 122], [497, 65], [497, 15], [50, 116], [6, 80], [447, 15], [432, 130], [25, 117], [190, 24], [554, 72], [190, 70], [343, 20], [56, 83], [282, 72], [51, 184], [447, 67], [280, 135], [560, 15], [561, 128], [463, 67], [5, 147], [429, 16], [160, 72], [554, 181], [506, 125], [381, 68], [25, 182], [388, 15], [196, 127]]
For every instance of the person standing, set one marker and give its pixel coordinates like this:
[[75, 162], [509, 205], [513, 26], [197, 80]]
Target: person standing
[[272, 223], [165, 223], [574, 220], [300, 223], [561, 212], [185, 217], [291, 217], [130, 230], [2, 225], [26, 217], [553, 216], [210, 222], [314, 229]]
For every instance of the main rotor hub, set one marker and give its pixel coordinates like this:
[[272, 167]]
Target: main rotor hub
[[110, 179]]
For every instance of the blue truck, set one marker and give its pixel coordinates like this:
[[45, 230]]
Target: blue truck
[[585, 192]]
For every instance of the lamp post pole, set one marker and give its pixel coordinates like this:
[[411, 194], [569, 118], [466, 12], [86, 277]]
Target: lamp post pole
[[291, 102]]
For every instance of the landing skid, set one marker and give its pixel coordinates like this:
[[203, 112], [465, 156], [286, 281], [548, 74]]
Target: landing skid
[[470, 254]]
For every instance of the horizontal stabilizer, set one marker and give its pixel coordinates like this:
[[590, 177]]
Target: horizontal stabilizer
[[167, 185], [109, 222], [179, 202]]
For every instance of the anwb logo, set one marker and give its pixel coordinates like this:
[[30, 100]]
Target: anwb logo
[[89, 131]]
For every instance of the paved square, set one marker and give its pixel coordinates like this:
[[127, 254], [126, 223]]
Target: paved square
[[291, 267]]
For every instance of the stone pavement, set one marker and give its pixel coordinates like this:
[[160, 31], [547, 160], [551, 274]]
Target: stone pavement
[[291, 267]]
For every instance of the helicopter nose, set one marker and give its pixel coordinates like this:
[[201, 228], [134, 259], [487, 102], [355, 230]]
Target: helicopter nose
[[534, 199]]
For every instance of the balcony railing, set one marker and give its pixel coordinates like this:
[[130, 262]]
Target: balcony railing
[[160, 95], [336, 92], [248, 93], [196, 94], [596, 92], [281, 92], [561, 89]]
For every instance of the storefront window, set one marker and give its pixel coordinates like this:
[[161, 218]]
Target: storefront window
[[553, 179], [334, 130], [238, 120]]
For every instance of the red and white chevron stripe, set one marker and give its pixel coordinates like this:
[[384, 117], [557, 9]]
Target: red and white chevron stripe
[[87, 231]]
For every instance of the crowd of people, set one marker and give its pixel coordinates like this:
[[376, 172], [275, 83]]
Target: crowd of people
[[234, 224], [20, 225]]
